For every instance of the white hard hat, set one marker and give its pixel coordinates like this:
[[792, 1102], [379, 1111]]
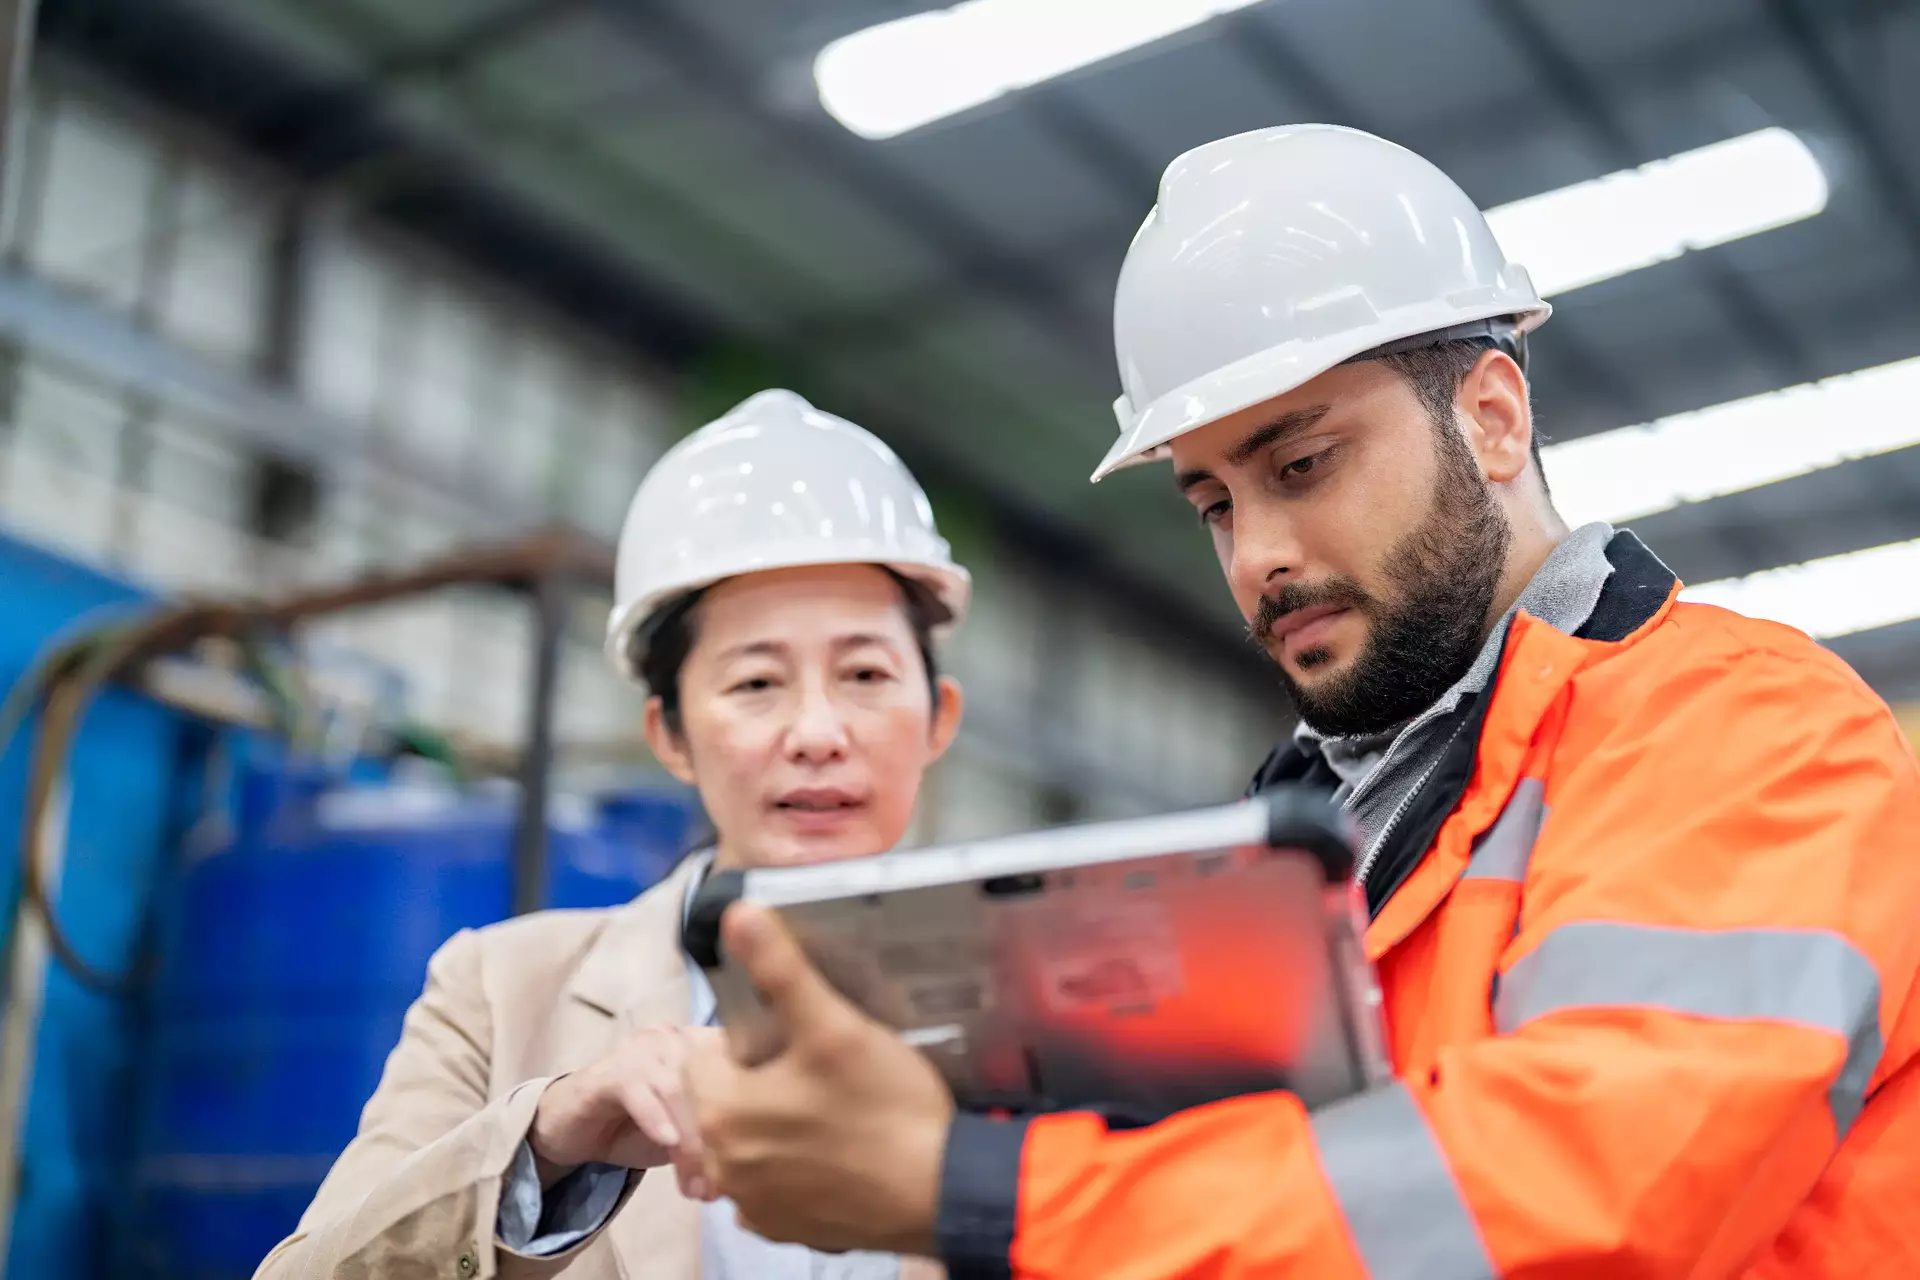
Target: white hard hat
[[774, 484], [1274, 255]]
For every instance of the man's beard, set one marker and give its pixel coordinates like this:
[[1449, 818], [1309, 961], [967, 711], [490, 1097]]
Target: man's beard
[[1445, 574]]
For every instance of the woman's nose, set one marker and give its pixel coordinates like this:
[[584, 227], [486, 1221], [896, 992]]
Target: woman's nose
[[819, 731]]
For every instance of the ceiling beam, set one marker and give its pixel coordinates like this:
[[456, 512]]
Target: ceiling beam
[[1274, 59], [1567, 83], [178, 55], [1077, 131], [466, 45], [857, 166], [1892, 181], [318, 120]]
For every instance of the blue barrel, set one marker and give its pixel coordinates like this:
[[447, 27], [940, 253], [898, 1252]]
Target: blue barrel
[[648, 829], [133, 765], [289, 961]]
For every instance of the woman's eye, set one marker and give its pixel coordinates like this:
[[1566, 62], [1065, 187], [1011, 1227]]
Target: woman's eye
[[871, 675], [752, 684]]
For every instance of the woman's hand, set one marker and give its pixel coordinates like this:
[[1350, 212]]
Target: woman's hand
[[627, 1109]]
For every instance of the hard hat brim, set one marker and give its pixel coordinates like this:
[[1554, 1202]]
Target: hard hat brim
[[1275, 371], [950, 583]]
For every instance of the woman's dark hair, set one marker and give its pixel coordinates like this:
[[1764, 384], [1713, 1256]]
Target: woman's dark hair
[[661, 644]]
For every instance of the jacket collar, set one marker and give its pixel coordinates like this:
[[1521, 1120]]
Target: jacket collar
[[636, 969], [1563, 593], [1635, 593]]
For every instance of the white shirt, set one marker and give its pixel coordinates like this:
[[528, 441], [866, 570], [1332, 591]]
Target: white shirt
[[729, 1251]]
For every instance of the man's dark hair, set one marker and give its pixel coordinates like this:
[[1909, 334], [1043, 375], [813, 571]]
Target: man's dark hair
[[661, 645], [1435, 374]]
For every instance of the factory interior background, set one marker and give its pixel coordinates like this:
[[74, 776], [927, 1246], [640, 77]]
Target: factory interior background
[[364, 318]]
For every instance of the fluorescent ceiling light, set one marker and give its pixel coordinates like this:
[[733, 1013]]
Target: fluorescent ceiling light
[[895, 76], [1593, 231], [1637, 471], [886, 79], [899, 75], [1826, 598]]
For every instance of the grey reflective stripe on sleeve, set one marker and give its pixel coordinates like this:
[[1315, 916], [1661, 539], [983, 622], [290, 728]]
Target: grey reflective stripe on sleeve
[[1402, 1205], [1502, 852], [1804, 976]]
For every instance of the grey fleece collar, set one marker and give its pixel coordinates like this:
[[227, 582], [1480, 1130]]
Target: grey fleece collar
[[1380, 771], [1561, 594]]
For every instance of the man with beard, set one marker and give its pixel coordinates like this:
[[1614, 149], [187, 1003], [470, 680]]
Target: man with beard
[[1410, 639], [1641, 872]]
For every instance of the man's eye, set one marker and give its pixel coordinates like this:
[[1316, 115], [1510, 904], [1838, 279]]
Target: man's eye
[[1302, 468], [753, 684], [1215, 513]]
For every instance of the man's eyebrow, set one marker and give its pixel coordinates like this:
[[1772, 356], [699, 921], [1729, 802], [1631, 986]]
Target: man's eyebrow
[[1287, 424], [1185, 480]]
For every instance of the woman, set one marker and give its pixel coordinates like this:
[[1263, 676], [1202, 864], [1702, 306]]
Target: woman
[[780, 590]]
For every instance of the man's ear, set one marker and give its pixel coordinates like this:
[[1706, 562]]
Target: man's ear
[[948, 704], [1493, 401], [667, 746]]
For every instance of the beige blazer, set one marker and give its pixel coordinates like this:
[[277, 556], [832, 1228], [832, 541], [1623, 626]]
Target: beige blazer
[[505, 1009]]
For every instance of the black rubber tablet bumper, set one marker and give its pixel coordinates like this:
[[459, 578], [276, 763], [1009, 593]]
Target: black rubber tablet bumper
[[701, 937], [1304, 818]]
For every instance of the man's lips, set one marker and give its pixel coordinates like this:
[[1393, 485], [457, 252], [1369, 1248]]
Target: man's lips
[[1300, 621]]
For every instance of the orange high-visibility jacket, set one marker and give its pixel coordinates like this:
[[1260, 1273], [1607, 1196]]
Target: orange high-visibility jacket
[[1648, 954]]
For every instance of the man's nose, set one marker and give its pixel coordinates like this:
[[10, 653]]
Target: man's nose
[[1266, 551], [819, 731]]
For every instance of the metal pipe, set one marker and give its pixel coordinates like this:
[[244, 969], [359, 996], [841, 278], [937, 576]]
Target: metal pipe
[[23, 985], [536, 764], [16, 59], [530, 559], [523, 561], [22, 968]]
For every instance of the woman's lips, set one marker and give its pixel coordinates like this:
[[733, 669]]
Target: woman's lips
[[819, 820], [816, 809]]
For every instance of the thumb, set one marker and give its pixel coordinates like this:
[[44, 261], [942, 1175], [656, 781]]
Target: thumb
[[802, 1002]]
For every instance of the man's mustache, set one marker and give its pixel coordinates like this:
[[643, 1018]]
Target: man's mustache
[[1343, 592]]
